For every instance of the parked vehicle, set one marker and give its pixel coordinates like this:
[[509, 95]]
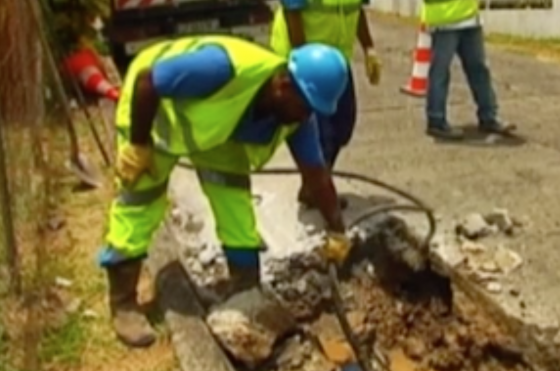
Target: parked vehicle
[[135, 24]]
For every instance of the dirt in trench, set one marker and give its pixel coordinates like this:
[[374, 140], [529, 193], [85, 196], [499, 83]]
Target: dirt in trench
[[419, 323], [418, 328], [436, 332], [395, 301]]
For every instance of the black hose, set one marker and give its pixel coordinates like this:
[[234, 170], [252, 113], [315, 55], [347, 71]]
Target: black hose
[[417, 204], [363, 358]]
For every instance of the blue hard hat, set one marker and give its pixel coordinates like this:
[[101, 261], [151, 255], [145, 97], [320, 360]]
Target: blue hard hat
[[321, 73]]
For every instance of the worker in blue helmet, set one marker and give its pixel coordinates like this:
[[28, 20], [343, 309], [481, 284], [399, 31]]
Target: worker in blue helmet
[[226, 104]]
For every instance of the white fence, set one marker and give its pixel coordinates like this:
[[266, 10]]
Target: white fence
[[519, 22]]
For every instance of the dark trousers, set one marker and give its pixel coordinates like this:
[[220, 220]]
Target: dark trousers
[[468, 44], [336, 130]]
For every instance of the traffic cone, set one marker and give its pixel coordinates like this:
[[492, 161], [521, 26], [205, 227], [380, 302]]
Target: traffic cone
[[85, 66], [418, 83]]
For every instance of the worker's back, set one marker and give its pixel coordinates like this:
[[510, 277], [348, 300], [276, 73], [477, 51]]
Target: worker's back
[[332, 22]]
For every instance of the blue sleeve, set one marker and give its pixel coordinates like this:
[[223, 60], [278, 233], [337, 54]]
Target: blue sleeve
[[305, 144], [196, 74], [293, 4]]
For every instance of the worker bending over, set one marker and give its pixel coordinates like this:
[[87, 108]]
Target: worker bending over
[[226, 104], [336, 23], [456, 28]]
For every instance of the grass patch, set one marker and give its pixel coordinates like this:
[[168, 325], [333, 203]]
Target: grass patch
[[67, 327], [64, 345], [87, 343], [5, 362]]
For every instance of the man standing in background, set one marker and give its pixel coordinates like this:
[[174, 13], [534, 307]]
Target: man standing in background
[[456, 28], [336, 23]]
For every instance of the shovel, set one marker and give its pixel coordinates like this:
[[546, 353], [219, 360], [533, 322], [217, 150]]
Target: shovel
[[365, 361], [107, 113], [91, 122], [77, 162]]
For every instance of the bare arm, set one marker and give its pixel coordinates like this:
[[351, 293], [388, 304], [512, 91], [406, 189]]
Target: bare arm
[[320, 183], [145, 102], [364, 36], [294, 22]]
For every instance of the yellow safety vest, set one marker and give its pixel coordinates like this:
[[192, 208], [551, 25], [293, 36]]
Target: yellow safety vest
[[332, 22], [444, 12], [201, 128]]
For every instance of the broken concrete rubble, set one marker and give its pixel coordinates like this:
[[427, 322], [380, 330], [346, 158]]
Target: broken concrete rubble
[[249, 324], [501, 219], [300, 281], [292, 237], [332, 340], [486, 263], [494, 287], [475, 225], [497, 260]]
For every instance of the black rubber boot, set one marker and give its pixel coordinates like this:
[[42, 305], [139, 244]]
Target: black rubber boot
[[242, 279], [129, 323]]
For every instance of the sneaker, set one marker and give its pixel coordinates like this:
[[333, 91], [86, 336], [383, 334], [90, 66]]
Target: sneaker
[[496, 127], [445, 132]]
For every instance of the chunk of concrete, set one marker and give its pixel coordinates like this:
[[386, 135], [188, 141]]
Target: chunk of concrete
[[507, 260], [474, 226], [300, 282], [494, 287], [249, 324], [501, 219], [470, 247]]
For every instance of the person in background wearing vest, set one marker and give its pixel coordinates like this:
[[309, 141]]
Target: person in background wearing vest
[[456, 28], [226, 104], [337, 23]]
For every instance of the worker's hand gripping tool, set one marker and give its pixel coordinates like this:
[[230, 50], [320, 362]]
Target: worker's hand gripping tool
[[134, 161], [337, 247]]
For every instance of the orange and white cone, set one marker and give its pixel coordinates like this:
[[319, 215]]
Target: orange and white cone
[[418, 83], [84, 65]]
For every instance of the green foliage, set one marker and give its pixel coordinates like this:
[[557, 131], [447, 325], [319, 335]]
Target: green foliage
[[64, 345], [73, 20]]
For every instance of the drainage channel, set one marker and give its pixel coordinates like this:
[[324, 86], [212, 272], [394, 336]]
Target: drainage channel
[[415, 317]]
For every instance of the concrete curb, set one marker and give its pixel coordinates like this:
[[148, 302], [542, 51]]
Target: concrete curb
[[538, 346], [195, 347]]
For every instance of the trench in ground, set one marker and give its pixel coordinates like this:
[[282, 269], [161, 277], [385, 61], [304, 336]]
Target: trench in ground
[[418, 319]]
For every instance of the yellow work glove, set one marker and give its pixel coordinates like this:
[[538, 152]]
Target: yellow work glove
[[337, 247], [373, 66], [134, 161]]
